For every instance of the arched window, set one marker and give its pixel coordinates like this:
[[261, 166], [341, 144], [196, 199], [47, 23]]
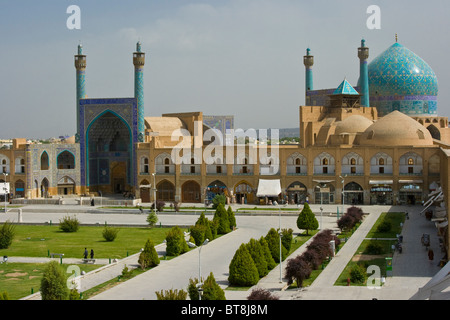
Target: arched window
[[381, 162], [44, 161], [65, 160], [411, 161]]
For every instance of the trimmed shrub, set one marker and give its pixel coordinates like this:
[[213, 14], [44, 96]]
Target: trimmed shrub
[[68, 224], [171, 294], [175, 242], [312, 258], [152, 219], [374, 248], [322, 249], [7, 233], [4, 295], [207, 234], [346, 223], [262, 294], [110, 233], [211, 290], [257, 253], [286, 238], [198, 234], [219, 199], [384, 226], [356, 213], [297, 269], [53, 283], [358, 274], [223, 223], [267, 254], [307, 220], [231, 218], [148, 257], [242, 269], [273, 242]]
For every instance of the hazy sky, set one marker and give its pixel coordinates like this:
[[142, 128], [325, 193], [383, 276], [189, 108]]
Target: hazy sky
[[238, 57]]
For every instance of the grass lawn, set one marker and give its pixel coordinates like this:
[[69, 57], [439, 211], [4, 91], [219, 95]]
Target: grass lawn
[[19, 278], [38, 241], [382, 239]]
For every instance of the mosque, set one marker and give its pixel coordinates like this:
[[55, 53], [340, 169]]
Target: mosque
[[379, 142]]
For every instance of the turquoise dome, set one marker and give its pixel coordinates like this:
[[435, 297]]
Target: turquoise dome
[[400, 80]]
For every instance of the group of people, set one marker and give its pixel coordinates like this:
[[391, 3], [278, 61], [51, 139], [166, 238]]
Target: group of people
[[86, 253]]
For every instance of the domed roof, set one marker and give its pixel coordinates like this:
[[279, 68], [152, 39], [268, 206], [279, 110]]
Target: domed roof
[[353, 124], [399, 71], [396, 129]]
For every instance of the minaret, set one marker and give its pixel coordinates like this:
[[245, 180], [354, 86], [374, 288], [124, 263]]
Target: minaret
[[80, 65], [363, 55], [308, 61], [139, 61]]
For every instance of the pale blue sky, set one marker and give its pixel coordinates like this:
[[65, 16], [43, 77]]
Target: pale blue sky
[[236, 57]]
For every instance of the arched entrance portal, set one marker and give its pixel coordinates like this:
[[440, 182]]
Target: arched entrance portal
[[66, 186], [109, 154], [144, 191], [353, 194], [297, 193], [215, 188], [44, 188], [244, 193], [190, 192], [165, 191]]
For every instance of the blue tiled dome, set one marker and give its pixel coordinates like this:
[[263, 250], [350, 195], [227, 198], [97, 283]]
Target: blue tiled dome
[[401, 80]]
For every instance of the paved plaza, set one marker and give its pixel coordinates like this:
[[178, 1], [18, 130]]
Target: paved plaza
[[411, 269]]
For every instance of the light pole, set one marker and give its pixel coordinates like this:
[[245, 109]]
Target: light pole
[[4, 187], [321, 209], [199, 286], [280, 234], [343, 192], [154, 191]]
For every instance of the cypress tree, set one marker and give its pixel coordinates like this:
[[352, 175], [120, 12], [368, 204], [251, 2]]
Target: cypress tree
[[307, 220], [223, 223], [54, 283], [267, 255], [273, 241], [231, 218], [257, 253], [242, 269], [149, 257]]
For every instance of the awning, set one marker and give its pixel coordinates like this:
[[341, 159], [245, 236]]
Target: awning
[[410, 181], [373, 182], [145, 186], [268, 188]]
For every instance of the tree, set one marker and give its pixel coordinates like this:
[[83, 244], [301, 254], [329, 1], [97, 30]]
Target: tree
[[273, 241], [221, 216], [286, 238], [267, 255], [171, 294], [262, 294], [148, 257], [7, 233], [297, 269], [312, 258], [110, 233], [152, 218], [231, 218], [54, 283], [68, 224], [307, 220], [218, 199], [198, 233], [257, 253], [211, 290], [175, 242], [242, 269]]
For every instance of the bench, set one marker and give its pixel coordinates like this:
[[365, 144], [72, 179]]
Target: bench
[[52, 255], [88, 260]]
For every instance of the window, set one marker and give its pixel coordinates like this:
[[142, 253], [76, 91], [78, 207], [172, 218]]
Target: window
[[325, 161], [22, 165], [145, 165], [219, 169], [411, 161], [192, 169], [381, 170], [353, 161], [297, 162], [244, 169], [166, 167], [297, 170], [381, 162], [410, 170], [325, 170], [353, 170], [44, 161]]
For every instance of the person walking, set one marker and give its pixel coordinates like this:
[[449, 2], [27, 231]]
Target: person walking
[[92, 253], [430, 255], [85, 253]]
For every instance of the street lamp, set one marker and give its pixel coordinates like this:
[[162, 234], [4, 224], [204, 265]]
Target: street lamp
[[321, 209], [4, 187], [280, 234], [154, 190], [343, 192], [199, 286]]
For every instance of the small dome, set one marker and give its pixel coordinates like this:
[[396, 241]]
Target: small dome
[[396, 129], [353, 124]]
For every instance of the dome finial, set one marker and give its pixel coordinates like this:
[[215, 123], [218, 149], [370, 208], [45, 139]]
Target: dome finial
[[396, 38]]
